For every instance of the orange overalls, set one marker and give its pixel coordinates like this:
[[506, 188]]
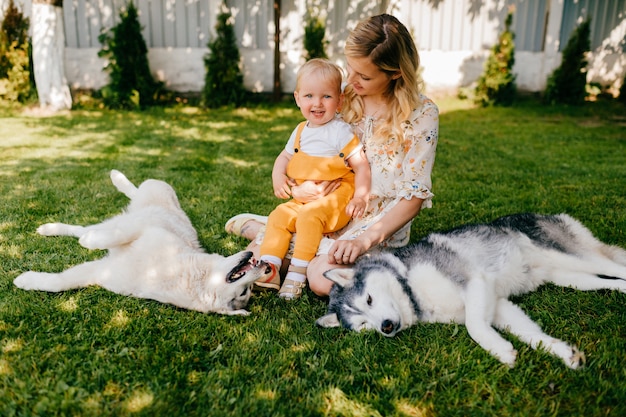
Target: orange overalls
[[311, 220]]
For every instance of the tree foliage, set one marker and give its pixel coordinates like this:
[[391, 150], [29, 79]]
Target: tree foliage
[[496, 86], [566, 85], [131, 82], [224, 80], [314, 38], [16, 79]]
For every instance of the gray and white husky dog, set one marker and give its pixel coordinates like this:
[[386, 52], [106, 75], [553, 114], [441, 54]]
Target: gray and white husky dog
[[153, 253], [467, 275]]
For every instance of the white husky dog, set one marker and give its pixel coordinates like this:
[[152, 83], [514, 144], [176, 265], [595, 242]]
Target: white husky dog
[[466, 276], [153, 253]]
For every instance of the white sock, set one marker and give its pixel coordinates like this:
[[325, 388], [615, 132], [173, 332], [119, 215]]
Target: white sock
[[296, 276], [274, 260]]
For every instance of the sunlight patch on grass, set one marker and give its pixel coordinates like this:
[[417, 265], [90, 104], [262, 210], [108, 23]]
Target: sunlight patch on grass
[[93, 403], [221, 125], [139, 400], [112, 389], [119, 319], [194, 377], [5, 368], [286, 112], [339, 404], [302, 347], [189, 110], [69, 305], [238, 162], [266, 394], [14, 251], [12, 345], [149, 152], [405, 408]]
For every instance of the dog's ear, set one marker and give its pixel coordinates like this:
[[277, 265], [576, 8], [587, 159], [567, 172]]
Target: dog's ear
[[340, 276], [329, 320]]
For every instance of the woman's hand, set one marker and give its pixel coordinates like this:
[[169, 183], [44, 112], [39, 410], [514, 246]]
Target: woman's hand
[[312, 190], [344, 252]]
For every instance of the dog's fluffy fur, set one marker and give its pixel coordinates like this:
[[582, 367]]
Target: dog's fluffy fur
[[153, 253], [467, 275]]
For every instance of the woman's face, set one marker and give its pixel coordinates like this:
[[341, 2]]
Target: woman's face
[[366, 78]]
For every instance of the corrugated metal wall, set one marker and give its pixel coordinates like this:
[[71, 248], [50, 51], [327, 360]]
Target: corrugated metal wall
[[165, 23], [607, 20], [444, 25]]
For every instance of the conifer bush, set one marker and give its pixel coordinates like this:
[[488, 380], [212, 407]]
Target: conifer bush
[[224, 80], [16, 78], [496, 86], [566, 85], [131, 83], [314, 38]]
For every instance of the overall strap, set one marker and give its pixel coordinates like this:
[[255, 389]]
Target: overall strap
[[296, 143]]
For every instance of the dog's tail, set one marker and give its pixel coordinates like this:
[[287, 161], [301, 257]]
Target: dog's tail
[[123, 184]]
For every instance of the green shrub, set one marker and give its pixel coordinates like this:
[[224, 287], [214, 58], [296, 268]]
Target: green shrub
[[224, 81], [16, 80], [496, 86], [314, 38], [566, 85], [131, 83]]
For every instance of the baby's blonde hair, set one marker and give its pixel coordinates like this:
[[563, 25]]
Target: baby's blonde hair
[[389, 45], [329, 71]]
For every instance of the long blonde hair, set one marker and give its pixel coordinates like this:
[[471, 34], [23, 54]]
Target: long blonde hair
[[389, 45]]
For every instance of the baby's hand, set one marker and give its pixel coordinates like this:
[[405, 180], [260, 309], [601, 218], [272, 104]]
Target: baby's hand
[[356, 207], [282, 187]]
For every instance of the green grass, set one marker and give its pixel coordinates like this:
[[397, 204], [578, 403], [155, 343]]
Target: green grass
[[90, 352]]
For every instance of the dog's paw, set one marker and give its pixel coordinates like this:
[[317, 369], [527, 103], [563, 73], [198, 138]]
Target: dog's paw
[[50, 229], [122, 183], [30, 280], [234, 312], [572, 357], [507, 357], [577, 359]]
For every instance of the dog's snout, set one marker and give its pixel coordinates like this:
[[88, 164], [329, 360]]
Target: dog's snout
[[387, 327]]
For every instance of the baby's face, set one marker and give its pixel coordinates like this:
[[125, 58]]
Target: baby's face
[[318, 99]]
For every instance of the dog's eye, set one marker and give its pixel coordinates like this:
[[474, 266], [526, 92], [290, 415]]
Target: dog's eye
[[369, 300], [245, 291]]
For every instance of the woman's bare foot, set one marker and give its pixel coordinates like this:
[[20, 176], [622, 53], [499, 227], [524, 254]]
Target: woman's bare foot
[[250, 229]]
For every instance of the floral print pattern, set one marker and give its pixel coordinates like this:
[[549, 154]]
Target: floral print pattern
[[397, 171]]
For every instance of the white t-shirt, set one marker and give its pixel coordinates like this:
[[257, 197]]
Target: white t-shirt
[[326, 140]]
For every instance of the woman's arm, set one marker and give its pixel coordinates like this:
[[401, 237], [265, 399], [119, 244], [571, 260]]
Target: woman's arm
[[347, 251]]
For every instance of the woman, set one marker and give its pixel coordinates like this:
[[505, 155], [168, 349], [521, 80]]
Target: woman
[[398, 127]]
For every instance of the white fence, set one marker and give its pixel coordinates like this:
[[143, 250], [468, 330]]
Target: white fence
[[454, 37]]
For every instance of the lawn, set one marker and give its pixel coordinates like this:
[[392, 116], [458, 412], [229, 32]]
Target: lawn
[[90, 352]]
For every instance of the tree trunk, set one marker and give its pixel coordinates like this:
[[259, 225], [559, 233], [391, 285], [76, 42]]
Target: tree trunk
[[49, 55], [277, 86]]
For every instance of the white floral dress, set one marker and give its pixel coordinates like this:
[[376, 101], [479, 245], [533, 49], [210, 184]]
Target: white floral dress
[[397, 172]]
